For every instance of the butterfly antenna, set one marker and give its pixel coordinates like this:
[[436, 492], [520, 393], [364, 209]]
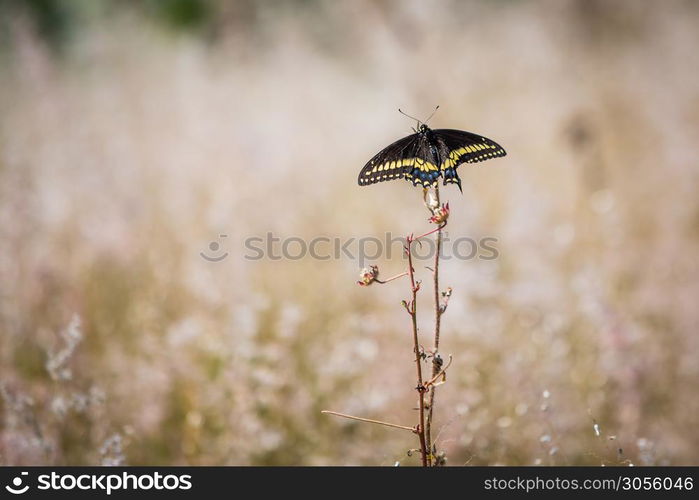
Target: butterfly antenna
[[433, 112], [411, 117]]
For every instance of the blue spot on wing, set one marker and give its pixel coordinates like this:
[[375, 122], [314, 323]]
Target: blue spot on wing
[[423, 177]]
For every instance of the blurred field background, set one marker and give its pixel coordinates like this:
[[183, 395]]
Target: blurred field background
[[132, 134]]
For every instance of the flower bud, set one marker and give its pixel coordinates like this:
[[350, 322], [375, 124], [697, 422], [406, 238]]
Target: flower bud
[[368, 276], [440, 215]]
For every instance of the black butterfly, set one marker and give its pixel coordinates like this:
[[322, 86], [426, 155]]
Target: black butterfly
[[428, 154]]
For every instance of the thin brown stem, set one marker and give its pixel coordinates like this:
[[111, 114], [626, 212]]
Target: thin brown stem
[[391, 278], [420, 430], [437, 324], [368, 420]]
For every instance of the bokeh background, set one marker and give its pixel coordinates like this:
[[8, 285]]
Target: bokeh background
[[133, 134]]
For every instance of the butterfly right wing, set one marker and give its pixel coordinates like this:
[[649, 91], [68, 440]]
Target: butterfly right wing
[[466, 147], [391, 162]]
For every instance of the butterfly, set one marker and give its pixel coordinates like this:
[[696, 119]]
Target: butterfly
[[425, 156]]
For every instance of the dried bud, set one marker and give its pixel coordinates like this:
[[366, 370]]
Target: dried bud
[[368, 276], [431, 201], [437, 360], [440, 459], [440, 215]]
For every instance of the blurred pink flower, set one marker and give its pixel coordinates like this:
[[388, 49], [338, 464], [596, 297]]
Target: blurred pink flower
[[368, 276], [440, 215]]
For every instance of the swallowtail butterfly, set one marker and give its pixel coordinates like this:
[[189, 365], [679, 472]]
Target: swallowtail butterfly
[[425, 156]]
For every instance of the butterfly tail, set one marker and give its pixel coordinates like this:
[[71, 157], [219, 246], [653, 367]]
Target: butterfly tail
[[451, 177]]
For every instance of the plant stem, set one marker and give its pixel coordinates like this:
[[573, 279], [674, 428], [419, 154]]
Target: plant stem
[[369, 420], [420, 430], [437, 322], [391, 278]]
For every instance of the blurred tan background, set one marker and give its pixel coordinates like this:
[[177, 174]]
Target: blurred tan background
[[133, 134]]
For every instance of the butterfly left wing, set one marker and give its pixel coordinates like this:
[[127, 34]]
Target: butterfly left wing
[[390, 163]]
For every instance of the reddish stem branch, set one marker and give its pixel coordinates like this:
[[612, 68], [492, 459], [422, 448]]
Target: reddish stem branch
[[424, 427], [439, 228], [420, 430], [437, 324]]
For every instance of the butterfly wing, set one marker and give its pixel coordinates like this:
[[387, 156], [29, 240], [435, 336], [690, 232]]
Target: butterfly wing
[[459, 147], [410, 157], [465, 147], [389, 163]]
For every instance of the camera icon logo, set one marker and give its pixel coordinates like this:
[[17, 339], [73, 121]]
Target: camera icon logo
[[16, 487], [215, 246]]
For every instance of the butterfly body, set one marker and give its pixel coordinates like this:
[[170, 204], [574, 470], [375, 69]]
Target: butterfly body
[[425, 156]]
